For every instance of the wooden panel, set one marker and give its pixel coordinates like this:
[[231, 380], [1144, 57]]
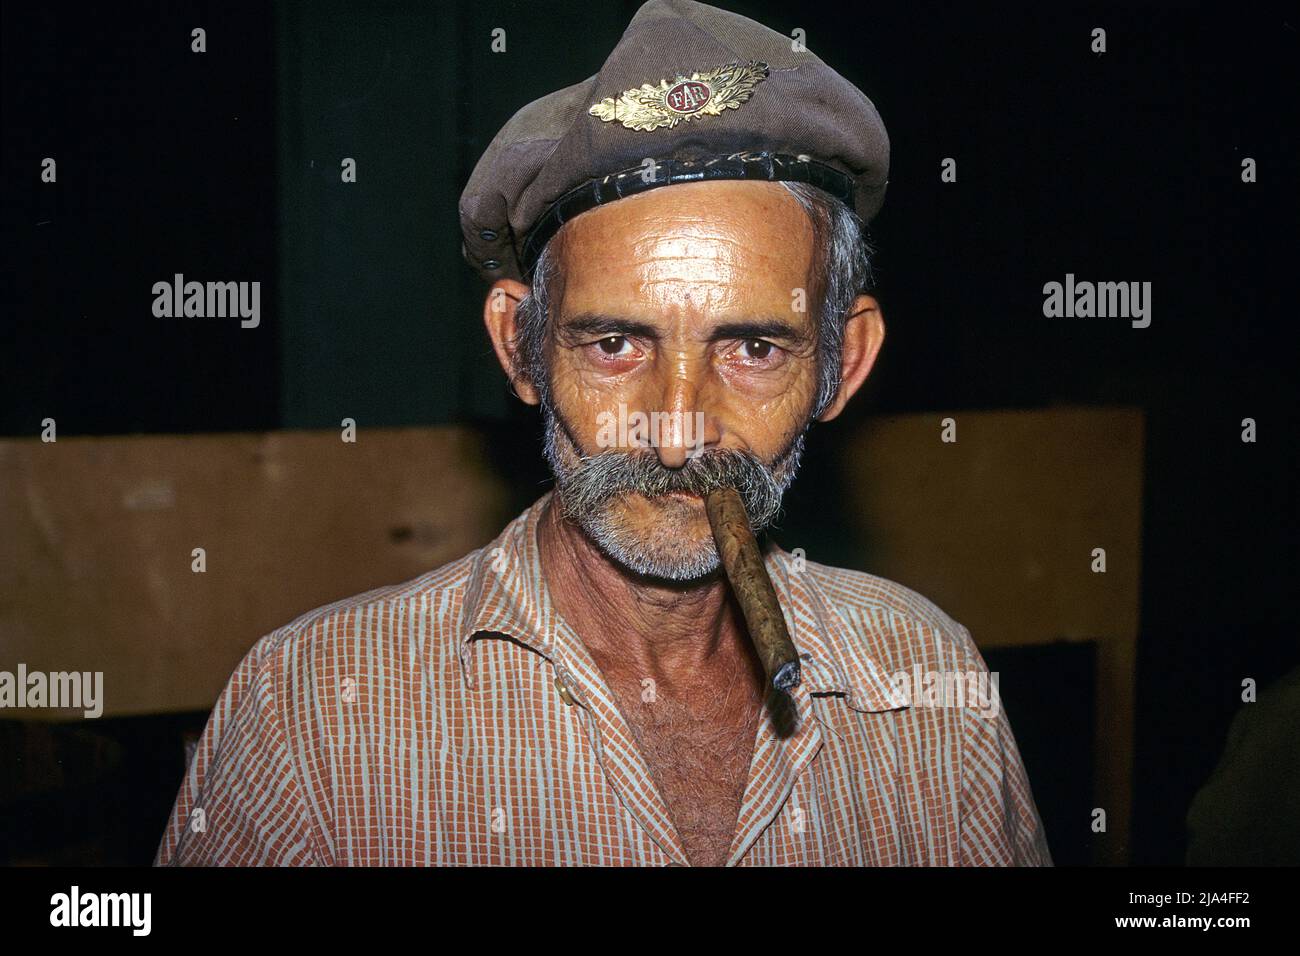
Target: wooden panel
[[95, 566], [998, 529]]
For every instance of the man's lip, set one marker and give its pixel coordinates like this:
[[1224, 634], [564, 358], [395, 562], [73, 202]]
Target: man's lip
[[670, 495]]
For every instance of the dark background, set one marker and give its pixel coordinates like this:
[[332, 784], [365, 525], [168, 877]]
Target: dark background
[[1122, 167]]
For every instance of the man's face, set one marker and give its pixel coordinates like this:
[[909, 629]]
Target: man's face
[[683, 331]]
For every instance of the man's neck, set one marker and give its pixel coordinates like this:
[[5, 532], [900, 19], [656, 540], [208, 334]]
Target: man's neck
[[633, 625]]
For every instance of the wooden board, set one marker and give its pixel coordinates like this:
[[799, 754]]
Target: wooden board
[[96, 536]]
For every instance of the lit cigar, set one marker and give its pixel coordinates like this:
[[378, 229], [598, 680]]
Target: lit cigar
[[743, 563]]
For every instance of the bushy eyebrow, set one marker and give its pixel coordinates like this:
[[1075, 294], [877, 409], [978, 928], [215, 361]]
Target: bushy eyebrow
[[594, 323], [759, 329]]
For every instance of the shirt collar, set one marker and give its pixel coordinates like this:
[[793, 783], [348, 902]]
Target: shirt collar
[[836, 659], [507, 595]]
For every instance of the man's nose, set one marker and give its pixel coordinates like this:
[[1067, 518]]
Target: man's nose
[[681, 429]]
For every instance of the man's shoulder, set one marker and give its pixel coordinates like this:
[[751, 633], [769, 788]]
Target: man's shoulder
[[398, 629], [895, 625], [862, 591], [383, 622]]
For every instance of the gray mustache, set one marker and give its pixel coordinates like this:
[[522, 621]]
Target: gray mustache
[[601, 477]]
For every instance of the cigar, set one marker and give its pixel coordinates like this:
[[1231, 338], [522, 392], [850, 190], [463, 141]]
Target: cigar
[[743, 563]]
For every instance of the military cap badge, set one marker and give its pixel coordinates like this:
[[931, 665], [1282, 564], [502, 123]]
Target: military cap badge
[[686, 97]]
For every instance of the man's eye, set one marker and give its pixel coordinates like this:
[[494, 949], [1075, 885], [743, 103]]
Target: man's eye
[[614, 344], [757, 349]]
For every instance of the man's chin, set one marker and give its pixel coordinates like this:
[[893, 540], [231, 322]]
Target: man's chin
[[657, 568], [675, 549]]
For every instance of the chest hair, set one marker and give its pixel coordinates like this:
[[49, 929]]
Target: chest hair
[[699, 758]]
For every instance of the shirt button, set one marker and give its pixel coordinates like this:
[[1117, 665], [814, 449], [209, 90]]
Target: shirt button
[[564, 692]]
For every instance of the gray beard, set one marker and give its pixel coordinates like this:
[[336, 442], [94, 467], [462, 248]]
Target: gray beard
[[589, 487]]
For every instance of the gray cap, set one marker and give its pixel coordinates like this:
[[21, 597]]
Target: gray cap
[[690, 92]]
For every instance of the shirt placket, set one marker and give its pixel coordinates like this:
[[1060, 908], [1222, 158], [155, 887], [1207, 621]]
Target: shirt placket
[[779, 759], [578, 676]]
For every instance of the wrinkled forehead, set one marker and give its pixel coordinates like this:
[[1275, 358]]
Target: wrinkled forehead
[[708, 245]]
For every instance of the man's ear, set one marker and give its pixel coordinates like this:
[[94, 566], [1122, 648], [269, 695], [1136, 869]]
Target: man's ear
[[499, 309], [864, 332]]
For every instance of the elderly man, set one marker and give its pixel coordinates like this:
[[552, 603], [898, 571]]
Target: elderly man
[[677, 240]]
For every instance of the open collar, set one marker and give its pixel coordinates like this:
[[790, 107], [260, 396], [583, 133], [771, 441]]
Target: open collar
[[507, 595]]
